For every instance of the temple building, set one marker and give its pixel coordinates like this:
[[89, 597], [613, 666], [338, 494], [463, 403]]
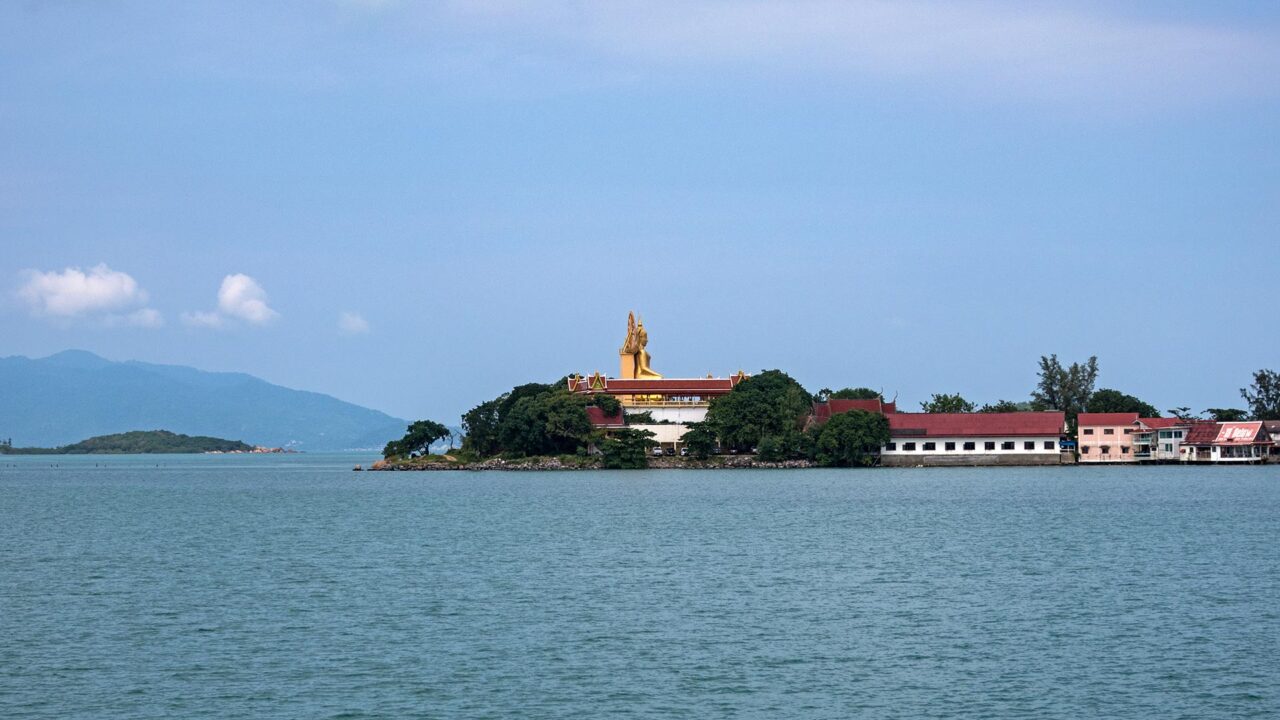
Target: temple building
[[671, 403]]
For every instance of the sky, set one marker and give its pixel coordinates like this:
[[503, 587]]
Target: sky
[[415, 206]]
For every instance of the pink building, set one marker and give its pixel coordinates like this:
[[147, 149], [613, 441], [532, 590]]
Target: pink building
[[1107, 437]]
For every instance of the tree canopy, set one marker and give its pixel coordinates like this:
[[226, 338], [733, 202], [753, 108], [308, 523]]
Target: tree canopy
[[850, 439], [700, 440], [764, 405], [1064, 388], [627, 449], [532, 419], [1263, 395], [943, 403], [858, 393], [1005, 406], [1227, 414], [418, 439], [1107, 400]]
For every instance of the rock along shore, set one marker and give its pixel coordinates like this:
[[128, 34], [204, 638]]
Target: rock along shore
[[738, 462]]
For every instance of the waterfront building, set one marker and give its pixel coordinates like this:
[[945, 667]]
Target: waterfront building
[[1160, 439], [1016, 438], [1273, 430], [1227, 442], [1106, 437]]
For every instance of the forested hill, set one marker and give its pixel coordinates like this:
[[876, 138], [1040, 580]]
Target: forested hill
[[137, 442], [73, 395]]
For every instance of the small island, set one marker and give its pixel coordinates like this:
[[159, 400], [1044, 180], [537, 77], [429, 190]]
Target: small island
[[142, 442]]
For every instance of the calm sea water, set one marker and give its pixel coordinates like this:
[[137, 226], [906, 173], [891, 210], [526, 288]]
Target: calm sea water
[[290, 587]]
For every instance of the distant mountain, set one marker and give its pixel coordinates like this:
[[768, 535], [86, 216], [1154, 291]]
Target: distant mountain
[[75, 394]]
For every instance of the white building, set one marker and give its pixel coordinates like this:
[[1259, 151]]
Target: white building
[[1018, 438], [1227, 442]]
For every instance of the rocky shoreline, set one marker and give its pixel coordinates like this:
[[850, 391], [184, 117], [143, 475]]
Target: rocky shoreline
[[544, 464]]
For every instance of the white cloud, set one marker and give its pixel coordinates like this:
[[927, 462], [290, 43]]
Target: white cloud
[[240, 297], [352, 323], [102, 294], [203, 319], [1039, 51], [74, 292]]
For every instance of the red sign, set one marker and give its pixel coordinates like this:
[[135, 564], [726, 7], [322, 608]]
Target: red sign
[[1237, 432]]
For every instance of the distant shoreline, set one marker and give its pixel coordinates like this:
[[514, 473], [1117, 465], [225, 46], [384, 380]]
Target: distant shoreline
[[146, 442]]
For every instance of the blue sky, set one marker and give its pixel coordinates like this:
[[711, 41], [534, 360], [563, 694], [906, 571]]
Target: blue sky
[[414, 207]]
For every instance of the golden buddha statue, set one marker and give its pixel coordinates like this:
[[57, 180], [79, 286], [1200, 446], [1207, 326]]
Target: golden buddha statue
[[634, 359]]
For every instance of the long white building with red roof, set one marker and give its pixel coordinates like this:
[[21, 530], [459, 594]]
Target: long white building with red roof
[[1016, 438]]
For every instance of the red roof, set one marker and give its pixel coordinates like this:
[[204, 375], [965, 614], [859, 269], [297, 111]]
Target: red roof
[[1227, 433], [1161, 423], [598, 418], [1014, 424], [681, 387], [824, 410], [1106, 419]]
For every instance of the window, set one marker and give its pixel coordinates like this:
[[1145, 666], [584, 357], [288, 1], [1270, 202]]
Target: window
[[1084, 449], [1029, 445], [1048, 445], [1128, 431], [1124, 450], [1177, 433], [1006, 445], [989, 445], [1109, 431], [950, 446], [930, 446], [1106, 449], [970, 445], [1088, 431], [891, 446], [908, 446], [1167, 447], [1166, 434]]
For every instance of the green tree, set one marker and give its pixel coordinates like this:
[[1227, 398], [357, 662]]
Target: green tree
[[850, 439], [1227, 414], [943, 403], [859, 393], [1182, 413], [764, 405], [418, 439], [552, 422], [1263, 395], [771, 449], [1005, 406], [481, 426], [607, 403], [1064, 388], [699, 439], [627, 449], [1107, 400], [790, 445], [508, 400], [641, 418]]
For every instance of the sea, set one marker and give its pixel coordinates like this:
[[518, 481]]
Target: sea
[[288, 586]]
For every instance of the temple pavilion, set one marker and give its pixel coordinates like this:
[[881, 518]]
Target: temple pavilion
[[671, 402]]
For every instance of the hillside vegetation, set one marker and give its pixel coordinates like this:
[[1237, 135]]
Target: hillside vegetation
[[138, 442]]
